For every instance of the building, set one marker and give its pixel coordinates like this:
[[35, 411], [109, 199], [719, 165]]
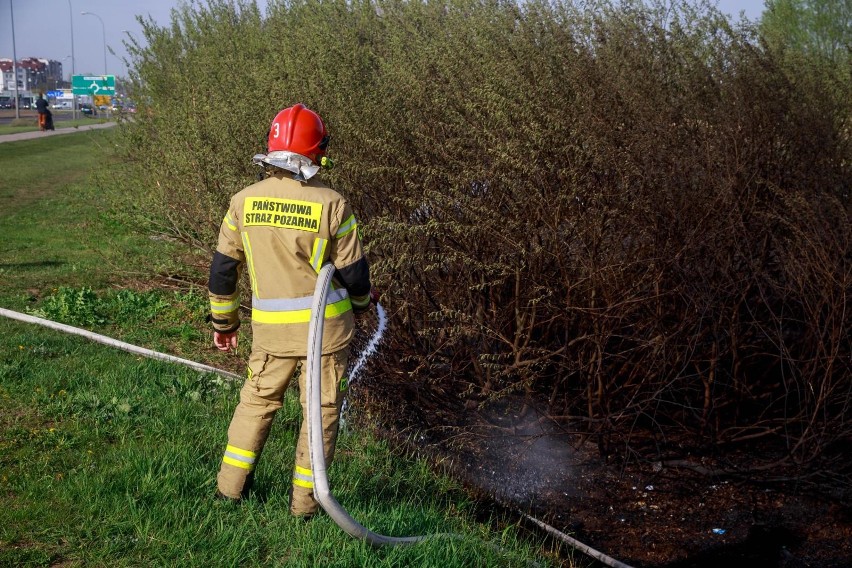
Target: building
[[6, 69], [34, 74]]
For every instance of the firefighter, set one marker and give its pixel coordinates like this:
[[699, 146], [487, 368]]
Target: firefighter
[[282, 230]]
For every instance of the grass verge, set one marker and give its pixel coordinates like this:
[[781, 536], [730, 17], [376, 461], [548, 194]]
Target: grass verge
[[29, 124], [109, 459]]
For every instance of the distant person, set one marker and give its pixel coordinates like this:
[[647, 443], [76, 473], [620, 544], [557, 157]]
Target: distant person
[[45, 117], [282, 230]]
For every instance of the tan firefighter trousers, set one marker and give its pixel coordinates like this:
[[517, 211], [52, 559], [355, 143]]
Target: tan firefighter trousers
[[260, 398]]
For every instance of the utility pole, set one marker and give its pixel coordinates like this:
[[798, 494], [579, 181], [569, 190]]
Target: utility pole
[[73, 71], [15, 61]]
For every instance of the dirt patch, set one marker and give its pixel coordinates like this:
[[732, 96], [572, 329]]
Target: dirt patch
[[649, 515]]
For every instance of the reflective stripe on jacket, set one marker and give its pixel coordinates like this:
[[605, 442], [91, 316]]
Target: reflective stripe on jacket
[[282, 231]]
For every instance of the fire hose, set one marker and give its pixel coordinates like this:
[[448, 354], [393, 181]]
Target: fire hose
[[322, 493]]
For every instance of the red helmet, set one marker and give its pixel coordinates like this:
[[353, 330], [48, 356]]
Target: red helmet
[[298, 129]]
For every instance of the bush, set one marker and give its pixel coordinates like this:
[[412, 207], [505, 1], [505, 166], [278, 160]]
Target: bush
[[640, 214]]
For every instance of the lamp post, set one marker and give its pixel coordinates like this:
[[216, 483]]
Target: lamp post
[[103, 29], [73, 96], [14, 61]]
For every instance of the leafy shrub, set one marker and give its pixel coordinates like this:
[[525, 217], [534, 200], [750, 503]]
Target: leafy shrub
[[640, 214]]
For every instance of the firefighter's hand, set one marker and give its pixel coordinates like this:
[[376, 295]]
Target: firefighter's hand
[[225, 341], [373, 298]]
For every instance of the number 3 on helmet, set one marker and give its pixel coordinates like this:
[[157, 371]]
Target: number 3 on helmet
[[298, 129]]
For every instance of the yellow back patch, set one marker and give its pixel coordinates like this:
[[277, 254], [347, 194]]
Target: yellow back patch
[[282, 213]]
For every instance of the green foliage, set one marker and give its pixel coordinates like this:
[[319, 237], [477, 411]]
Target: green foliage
[[821, 28], [75, 307], [636, 209], [82, 307]]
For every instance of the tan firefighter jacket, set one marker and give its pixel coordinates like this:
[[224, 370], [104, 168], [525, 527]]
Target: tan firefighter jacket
[[282, 231]]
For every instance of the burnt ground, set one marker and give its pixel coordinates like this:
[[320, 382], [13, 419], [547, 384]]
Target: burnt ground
[[644, 514]]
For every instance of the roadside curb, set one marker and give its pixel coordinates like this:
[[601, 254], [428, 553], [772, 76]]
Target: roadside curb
[[38, 134]]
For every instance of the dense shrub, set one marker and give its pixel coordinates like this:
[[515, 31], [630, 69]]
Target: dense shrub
[[640, 214]]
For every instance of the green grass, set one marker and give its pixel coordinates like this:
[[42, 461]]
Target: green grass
[[110, 459], [30, 124]]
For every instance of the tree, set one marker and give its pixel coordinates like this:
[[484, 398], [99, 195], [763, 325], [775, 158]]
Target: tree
[[816, 27]]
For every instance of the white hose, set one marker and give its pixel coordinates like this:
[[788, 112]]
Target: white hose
[[584, 548], [322, 493], [116, 343]]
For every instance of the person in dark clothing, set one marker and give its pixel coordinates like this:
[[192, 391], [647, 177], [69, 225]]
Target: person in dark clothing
[[45, 117]]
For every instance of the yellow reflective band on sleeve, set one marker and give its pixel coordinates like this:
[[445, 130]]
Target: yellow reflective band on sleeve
[[224, 307], [303, 483], [318, 253], [346, 227], [300, 316], [250, 261], [304, 471], [229, 221]]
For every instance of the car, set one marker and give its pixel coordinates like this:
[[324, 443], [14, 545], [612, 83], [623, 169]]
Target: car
[[88, 110]]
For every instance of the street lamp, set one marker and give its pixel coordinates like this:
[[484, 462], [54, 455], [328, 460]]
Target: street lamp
[[103, 29], [71, 78], [14, 62]]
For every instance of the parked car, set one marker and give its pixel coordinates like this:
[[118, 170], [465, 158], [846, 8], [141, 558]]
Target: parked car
[[88, 110]]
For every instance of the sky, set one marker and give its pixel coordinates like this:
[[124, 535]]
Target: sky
[[51, 38]]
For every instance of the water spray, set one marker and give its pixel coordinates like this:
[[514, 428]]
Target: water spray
[[369, 351]]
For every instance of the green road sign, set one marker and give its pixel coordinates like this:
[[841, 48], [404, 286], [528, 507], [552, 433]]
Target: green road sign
[[93, 84]]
